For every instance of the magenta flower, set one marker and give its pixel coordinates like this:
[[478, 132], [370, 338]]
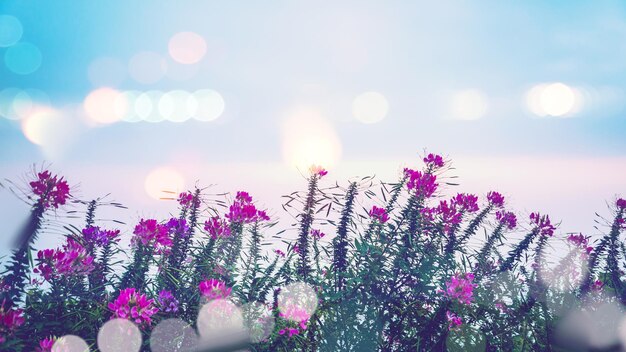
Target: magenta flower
[[495, 199], [51, 190], [424, 184], [167, 302], [98, 237], [317, 234], [46, 344], [454, 321], [187, 200], [243, 210], [507, 219], [597, 286], [151, 234], [379, 214], [621, 204], [10, 320], [433, 161], [543, 224], [317, 170], [465, 202], [178, 226], [217, 228], [134, 306], [296, 249], [279, 252], [461, 288], [71, 260], [581, 242], [214, 289]]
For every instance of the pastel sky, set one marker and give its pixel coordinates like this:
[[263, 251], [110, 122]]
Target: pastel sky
[[526, 97]]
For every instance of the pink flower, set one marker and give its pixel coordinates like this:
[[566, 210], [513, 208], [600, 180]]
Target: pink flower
[[581, 242], [96, 236], [151, 234], [134, 306], [424, 184], [433, 161], [317, 234], [279, 252], [10, 320], [214, 289], [621, 204], [317, 170], [501, 306], [453, 320], [495, 199], [460, 287], [296, 249], [187, 200], [243, 210], [507, 219], [543, 224], [379, 214], [597, 286], [217, 227], [46, 344], [70, 260], [465, 202], [52, 191]]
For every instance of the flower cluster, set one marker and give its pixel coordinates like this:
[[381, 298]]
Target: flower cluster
[[542, 222], [379, 215], [187, 200], [244, 211], [447, 214], [70, 260], [167, 302], [51, 190], [46, 344], [433, 161], [279, 252], [135, 306], [178, 226], [464, 202], [507, 219], [454, 321], [317, 234], [317, 170], [424, 184], [621, 204], [461, 288], [217, 228], [10, 320], [95, 236], [581, 242], [495, 199], [214, 289], [149, 233], [294, 314]]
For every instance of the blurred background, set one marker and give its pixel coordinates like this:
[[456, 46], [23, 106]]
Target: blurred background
[[121, 97]]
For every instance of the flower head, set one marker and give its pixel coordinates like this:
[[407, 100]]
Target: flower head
[[379, 215], [217, 228], [317, 234], [621, 204], [46, 344], [177, 226], [495, 199], [460, 287], [71, 260], [597, 286], [187, 200], [167, 302], [454, 321], [10, 320], [134, 306], [151, 234], [507, 219], [279, 253], [244, 211], [214, 289], [51, 190], [581, 242], [465, 202], [317, 170], [433, 161], [542, 224], [423, 184], [98, 237]]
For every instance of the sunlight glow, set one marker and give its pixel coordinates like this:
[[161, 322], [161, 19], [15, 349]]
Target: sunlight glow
[[469, 104], [162, 180], [370, 107], [104, 106], [553, 99]]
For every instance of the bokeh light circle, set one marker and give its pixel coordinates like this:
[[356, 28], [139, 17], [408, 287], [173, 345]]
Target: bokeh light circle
[[163, 179], [125, 106], [106, 71], [370, 107], [41, 126], [147, 106], [7, 100], [557, 99], [187, 47], [469, 104], [297, 301], [258, 321], [119, 335], [70, 343], [26, 101], [173, 335], [104, 106], [210, 105], [23, 58], [177, 106], [219, 318], [11, 30], [147, 67]]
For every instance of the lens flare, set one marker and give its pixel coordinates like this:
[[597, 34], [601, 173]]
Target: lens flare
[[105, 106], [187, 47], [469, 105], [163, 179]]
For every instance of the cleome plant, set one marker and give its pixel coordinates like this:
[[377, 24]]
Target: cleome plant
[[363, 266]]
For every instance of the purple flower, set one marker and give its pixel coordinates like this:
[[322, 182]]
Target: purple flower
[[465, 202], [52, 191], [214, 289], [134, 306], [46, 344], [96, 236], [495, 199], [581, 242], [379, 214], [151, 234], [178, 226], [167, 302], [10, 320], [71, 259], [317, 234], [217, 228], [542, 224], [243, 210], [424, 184], [279, 252], [460, 287], [185, 199], [453, 320], [621, 204], [433, 161], [507, 219]]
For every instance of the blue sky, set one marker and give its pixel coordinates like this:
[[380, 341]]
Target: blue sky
[[271, 60]]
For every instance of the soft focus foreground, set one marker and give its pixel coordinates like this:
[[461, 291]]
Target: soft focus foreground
[[365, 265]]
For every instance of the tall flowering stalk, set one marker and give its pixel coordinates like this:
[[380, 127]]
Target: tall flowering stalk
[[541, 226], [306, 221], [340, 242]]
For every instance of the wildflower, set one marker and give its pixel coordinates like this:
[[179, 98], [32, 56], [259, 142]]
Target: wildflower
[[379, 215], [433, 161], [507, 219], [424, 184], [621, 204], [279, 252], [52, 191], [317, 170], [453, 320], [290, 331], [10, 320], [70, 260], [460, 287], [214, 289], [243, 210], [543, 224], [580, 241], [167, 302], [187, 200], [296, 249], [151, 234], [317, 234], [597, 286], [495, 199], [294, 313], [450, 218], [46, 344], [134, 306], [465, 202], [177, 226], [96, 236], [217, 227]]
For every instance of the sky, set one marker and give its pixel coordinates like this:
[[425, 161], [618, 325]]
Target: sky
[[127, 98]]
